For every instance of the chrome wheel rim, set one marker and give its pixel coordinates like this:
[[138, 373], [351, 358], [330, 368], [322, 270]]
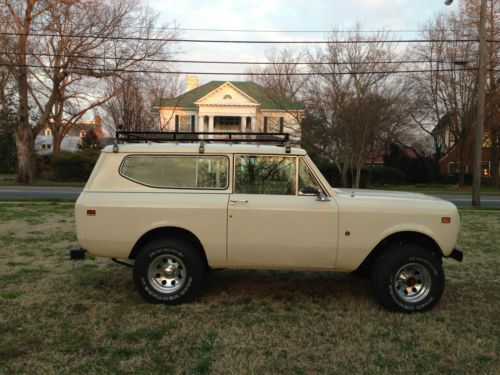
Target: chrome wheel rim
[[412, 282], [167, 273]]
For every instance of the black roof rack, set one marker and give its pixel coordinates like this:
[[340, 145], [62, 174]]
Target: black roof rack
[[206, 137]]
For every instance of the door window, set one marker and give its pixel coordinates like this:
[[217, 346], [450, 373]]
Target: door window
[[274, 175], [308, 185]]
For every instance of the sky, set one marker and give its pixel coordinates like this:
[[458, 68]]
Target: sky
[[283, 16]]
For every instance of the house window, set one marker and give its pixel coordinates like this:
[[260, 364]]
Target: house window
[[453, 168], [48, 132], [227, 97], [82, 133], [184, 124], [273, 124], [226, 120], [485, 169], [486, 140], [46, 147]]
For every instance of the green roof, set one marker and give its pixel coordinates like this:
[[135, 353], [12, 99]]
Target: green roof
[[266, 99]]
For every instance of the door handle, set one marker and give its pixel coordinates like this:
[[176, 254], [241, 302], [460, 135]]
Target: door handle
[[233, 202]]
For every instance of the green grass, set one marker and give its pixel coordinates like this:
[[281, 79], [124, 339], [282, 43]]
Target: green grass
[[58, 316], [10, 180]]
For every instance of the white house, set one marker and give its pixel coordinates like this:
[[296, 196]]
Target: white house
[[44, 140], [219, 106]]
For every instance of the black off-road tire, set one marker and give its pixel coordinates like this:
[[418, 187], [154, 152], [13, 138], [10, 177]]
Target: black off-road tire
[[408, 278], [169, 271]]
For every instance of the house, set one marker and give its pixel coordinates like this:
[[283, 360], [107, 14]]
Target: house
[[219, 106], [44, 141], [449, 162]]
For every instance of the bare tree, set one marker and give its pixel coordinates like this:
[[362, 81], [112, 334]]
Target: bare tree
[[285, 78], [361, 104], [132, 106], [53, 44], [446, 94]]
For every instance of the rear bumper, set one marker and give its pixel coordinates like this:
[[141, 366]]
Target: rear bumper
[[77, 253], [457, 255]]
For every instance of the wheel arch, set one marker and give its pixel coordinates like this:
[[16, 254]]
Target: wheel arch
[[399, 238], [174, 232]]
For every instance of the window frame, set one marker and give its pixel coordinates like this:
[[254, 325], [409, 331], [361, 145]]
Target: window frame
[[297, 158], [312, 174], [197, 156]]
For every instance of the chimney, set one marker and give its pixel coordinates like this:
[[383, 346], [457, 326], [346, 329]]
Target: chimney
[[191, 83]]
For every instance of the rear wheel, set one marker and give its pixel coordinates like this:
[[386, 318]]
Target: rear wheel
[[168, 271], [408, 278]]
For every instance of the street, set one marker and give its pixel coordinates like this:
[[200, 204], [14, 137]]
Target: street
[[42, 192]]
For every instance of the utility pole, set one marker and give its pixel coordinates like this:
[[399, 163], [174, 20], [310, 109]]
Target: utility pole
[[481, 89]]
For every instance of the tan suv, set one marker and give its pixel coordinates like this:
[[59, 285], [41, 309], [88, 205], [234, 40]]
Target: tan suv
[[180, 209]]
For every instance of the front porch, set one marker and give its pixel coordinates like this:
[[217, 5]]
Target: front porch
[[215, 124]]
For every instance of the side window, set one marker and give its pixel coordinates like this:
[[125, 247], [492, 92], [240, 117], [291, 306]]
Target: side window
[[274, 175], [307, 182], [177, 172]]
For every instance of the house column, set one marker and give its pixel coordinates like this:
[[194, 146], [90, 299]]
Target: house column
[[211, 125], [253, 124], [243, 125], [201, 123]]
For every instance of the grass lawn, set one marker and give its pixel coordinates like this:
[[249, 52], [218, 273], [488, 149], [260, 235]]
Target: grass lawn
[[58, 316]]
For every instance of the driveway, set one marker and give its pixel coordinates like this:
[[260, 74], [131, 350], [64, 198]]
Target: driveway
[[41, 192]]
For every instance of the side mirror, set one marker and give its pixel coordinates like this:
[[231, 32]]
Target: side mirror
[[322, 197]]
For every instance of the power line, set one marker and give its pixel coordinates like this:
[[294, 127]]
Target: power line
[[270, 31], [224, 62], [226, 41], [126, 70]]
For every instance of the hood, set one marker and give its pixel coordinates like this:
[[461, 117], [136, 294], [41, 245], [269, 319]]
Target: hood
[[385, 194]]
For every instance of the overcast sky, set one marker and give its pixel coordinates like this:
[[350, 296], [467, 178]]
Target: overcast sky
[[281, 15]]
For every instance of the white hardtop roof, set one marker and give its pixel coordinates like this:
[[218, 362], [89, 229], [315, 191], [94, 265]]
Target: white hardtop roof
[[210, 148]]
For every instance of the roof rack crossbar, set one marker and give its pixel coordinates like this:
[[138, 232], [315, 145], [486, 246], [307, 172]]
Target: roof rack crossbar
[[207, 137]]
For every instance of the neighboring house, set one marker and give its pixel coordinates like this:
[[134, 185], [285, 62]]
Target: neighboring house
[[219, 106], [44, 139], [377, 159], [448, 164]]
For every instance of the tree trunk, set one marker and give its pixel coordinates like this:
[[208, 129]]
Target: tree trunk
[[25, 156], [343, 175], [461, 176], [56, 143], [357, 178]]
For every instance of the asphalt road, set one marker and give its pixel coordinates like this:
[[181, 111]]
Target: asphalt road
[[41, 192], [38, 192]]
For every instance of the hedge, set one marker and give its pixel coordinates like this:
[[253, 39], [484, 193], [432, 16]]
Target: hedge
[[74, 166]]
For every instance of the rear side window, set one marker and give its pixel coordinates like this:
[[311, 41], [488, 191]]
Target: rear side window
[[177, 172]]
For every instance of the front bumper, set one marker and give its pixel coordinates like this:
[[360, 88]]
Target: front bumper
[[457, 255], [77, 253]]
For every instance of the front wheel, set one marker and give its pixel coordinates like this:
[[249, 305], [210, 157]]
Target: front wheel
[[168, 271], [408, 278]]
